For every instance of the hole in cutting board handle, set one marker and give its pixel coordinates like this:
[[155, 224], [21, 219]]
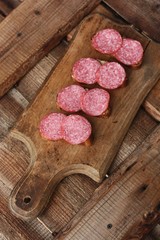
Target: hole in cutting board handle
[[27, 199]]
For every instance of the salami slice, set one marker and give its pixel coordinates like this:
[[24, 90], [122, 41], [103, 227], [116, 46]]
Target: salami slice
[[95, 102], [69, 98], [76, 129], [51, 126], [107, 41], [111, 75], [84, 70], [130, 53]]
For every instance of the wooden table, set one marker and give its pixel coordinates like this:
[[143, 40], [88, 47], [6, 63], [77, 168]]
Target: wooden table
[[74, 191]]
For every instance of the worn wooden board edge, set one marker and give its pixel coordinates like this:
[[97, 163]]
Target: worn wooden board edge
[[152, 101], [82, 170], [151, 217], [46, 46]]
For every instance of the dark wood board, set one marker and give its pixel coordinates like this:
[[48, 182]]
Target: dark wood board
[[31, 30], [144, 15], [133, 191], [93, 161]]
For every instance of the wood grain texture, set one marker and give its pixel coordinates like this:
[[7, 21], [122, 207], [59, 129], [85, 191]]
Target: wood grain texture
[[93, 161], [152, 101], [31, 30], [144, 15], [132, 192]]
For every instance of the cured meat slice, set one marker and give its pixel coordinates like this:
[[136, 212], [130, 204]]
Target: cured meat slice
[[107, 41], [84, 70], [130, 53], [51, 126], [76, 129], [95, 102], [111, 75], [69, 98]]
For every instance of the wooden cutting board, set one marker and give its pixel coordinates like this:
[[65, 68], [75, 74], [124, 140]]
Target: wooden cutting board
[[52, 161]]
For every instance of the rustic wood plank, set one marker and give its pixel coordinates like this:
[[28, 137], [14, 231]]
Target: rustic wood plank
[[143, 15], [93, 161], [142, 127], [152, 101], [125, 206], [31, 30]]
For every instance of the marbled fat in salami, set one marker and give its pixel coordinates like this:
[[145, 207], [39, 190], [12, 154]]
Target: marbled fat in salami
[[107, 41], [84, 70], [69, 98], [95, 102], [130, 53], [111, 75], [76, 129], [51, 126]]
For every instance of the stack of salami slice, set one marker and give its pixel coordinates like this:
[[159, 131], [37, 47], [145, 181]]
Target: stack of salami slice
[[74, 128]]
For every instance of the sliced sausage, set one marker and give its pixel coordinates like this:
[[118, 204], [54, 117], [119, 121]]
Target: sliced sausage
[[84, 70], [76, 129], [69, 98], [95, 102], [107, 41], [130, 53], [51, 126], [111, 75]]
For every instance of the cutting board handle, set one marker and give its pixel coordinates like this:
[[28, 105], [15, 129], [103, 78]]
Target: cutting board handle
[[32, 193]]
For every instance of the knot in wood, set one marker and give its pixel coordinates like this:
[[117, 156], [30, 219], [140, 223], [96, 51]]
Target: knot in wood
[[149, 216]]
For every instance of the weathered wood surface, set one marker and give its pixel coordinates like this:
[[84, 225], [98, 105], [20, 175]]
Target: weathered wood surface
[[152, 101], [131, 192], [31, 30], [58, 158], [145, 15], [73, 191]]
